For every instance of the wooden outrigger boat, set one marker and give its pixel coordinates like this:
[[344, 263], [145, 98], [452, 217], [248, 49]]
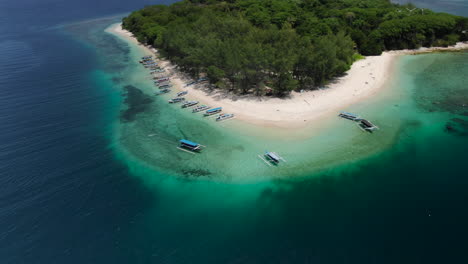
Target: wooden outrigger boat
[[189, 104], [349, 116], [271, 158], [168, 85], [200, 108], [213, 111], [160, 80], [222, 117], [189, 146], [176, 100], [182, 93], [163, 91], [161, 83], [367, 125]]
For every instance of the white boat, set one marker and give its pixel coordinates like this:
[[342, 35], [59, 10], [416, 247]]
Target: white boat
[[189, 103], [222, 117], [176, 100]]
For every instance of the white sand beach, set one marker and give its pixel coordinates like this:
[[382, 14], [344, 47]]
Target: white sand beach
[[365, 78]]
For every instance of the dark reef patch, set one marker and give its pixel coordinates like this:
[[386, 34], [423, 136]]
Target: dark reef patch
[[457, 126], [196, 173], [137, 102]]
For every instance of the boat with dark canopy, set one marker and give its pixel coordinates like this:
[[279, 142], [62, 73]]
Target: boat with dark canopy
[[367, 125]]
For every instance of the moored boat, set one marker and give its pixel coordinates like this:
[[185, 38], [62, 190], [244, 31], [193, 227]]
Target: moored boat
[[182, 93], [367, 125], [213, 111], [189, 145], [200, 108], [165, 86], [189, 103], [176, 100], [222, 117], [160, 80], [163, 91]]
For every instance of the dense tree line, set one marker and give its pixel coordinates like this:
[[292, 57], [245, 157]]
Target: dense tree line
[[247, 45]]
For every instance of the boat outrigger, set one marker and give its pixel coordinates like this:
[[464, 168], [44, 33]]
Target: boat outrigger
[[189, 103], [182, 93], [200, 108], [349, 116], [222, 117], [176, 100], [367, 125], [213, 111], [187, 145], [271, 158]]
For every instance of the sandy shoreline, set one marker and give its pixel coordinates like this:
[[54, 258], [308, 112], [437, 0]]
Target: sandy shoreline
[[365, 78]]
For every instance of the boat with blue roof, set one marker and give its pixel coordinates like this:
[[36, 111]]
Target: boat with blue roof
[[213, 111]]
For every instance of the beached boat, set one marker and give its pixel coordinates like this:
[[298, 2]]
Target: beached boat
[[163, 91], [222, 117], [160, 80], [349, 116], [367, 125], [165, 86], [213, 111], [146, 57], [189, 103], [190, 83], [189, 145], [176, 100], [161, 83], [200, 108], [182, 93]]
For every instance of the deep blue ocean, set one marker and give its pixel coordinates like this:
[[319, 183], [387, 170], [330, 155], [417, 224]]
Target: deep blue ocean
[[66, 198]]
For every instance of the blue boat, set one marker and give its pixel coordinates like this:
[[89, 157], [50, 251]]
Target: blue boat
[[213, 111], [189, 145]]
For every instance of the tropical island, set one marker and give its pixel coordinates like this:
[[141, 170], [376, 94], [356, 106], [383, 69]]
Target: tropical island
[[276, 46]]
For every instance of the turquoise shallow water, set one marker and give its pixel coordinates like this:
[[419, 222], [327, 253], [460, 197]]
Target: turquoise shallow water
[[344, 194], [233, 147]]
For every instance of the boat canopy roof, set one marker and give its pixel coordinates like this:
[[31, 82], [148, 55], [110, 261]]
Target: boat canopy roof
[[273, 155], [214, 109], [189, 143]]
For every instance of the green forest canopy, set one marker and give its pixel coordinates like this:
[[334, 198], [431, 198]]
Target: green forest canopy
[[245, 45]]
